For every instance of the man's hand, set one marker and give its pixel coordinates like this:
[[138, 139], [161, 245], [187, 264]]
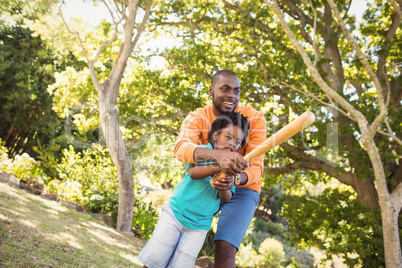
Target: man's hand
[[232, 163], [222, 183]]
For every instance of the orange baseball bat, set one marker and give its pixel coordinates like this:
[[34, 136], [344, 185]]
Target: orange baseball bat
[[280, 136]]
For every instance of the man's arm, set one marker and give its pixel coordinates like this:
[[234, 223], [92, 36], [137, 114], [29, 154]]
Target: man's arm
[[258, 134], [230, 162]]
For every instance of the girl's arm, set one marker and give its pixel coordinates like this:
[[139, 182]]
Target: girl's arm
[[225, 195], [198, 172]]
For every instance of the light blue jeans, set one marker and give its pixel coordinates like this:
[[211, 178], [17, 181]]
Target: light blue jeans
[[172, 244]]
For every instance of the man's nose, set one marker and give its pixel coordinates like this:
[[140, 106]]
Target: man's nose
[[230, 93]]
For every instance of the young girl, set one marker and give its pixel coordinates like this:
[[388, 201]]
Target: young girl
[[187, 217]]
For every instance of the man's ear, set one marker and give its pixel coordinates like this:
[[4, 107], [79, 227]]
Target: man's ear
[[211, 91]]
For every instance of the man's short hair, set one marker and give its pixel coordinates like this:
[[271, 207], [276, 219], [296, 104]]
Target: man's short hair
[[218, 73]]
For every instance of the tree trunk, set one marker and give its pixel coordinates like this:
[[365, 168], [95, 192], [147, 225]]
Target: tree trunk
[[108, 113], [365, 192], [389, 209]]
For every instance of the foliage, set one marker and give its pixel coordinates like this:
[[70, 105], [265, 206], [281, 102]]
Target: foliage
[[158, 198], [67, 190], [25, 72], [93, 172], [24, 167], [335, 222], [259, 231], [50, 154], [3, 152], [269, 200], [155, 159], [145, 218], [247, 256], [272, 252], [27, 67]]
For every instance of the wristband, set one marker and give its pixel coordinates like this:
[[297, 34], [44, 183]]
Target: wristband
[[237, 179]]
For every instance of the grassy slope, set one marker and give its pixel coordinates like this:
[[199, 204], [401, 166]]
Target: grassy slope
[[35, 232]]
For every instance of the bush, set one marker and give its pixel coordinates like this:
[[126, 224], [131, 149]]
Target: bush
[[274, 228], [158, 198], [3, 153], [272, 251], [94, 175], [145, 218], [24, 167], [247, 256]]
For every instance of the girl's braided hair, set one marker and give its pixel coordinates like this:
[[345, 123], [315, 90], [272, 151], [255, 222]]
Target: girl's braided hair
[[222, 121]]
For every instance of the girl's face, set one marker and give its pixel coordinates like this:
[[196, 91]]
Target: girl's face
[[229, 138]]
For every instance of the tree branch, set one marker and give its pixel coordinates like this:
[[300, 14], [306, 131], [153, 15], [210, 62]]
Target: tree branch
[[381, 101], [142, 25], [397, 8], [315, 97], [397, 197], [310, 162], [390, 133], [314, 43], [229, 5], [314, 72]]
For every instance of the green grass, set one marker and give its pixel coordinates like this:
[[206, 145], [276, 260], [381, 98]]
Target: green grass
[[35, 232]]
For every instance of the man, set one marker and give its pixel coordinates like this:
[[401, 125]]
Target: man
[[236, 214]]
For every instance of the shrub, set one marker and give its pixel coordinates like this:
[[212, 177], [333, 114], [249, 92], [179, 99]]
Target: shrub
[[145, 218], [158, 198], [247, 256], [274, 228], [24, 167], [3, 153], [93, 173], [273, 252]]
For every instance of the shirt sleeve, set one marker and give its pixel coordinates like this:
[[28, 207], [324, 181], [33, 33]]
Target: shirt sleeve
[[188, 139], [258, 134]]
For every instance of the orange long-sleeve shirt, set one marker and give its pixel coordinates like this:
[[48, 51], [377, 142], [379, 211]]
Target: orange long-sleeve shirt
[[194, 131]]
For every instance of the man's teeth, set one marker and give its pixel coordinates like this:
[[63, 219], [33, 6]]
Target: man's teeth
[[231, 103]]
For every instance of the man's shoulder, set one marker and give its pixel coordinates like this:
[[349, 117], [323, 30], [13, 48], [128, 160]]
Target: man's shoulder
[[203, 113], [204, 110], [250, 111]]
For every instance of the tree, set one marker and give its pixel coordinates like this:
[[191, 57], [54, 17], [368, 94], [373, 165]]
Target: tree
[[390, 202], [309, 57], [26, 69], [108, 93]]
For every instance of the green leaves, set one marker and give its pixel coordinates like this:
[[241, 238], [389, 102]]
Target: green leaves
[[336, 223]]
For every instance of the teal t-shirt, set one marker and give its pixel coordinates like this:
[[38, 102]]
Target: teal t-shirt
[[195, 202]]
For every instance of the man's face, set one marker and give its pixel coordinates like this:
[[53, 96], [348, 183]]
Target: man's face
[[225, 93]]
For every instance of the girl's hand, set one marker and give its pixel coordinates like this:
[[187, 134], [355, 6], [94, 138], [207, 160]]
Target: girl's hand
[[222, 183]]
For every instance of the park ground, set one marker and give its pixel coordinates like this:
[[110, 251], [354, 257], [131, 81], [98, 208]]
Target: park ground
[[35, 232]]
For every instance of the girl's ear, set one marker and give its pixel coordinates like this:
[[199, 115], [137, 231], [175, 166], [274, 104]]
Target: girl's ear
[[215, 136]]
